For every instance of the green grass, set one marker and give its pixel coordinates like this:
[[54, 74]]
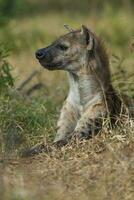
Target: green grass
[[24, 122], [21, 119]]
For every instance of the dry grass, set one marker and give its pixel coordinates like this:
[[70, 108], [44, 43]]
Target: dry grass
[[99, 169]]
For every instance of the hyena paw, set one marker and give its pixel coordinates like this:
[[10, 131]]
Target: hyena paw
[[83, 135], [59, 137], [60, 140]]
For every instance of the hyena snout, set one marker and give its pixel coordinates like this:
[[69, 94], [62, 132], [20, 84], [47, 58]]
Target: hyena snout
[[49, 57], [45, 57]]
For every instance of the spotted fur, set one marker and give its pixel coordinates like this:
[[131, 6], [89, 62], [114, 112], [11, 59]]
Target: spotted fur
[[91, 98]]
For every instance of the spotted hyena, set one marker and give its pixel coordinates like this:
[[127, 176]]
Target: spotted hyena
[[91, 98]]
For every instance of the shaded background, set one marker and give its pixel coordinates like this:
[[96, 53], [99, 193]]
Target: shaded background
[[29, 7]]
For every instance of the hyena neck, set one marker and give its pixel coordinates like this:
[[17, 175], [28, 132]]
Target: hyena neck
[[84, 90], [93, 80]]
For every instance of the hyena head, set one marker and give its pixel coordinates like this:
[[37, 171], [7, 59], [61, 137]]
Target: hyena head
[[68, 52]]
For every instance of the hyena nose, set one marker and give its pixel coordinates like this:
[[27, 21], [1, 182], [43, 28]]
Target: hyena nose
[[40, 54]]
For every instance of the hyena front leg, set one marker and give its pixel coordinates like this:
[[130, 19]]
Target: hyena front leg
[[66, 123], [90, 122]]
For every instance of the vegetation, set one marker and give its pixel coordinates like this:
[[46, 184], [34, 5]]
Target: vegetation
[[101, 168], [21, 119]]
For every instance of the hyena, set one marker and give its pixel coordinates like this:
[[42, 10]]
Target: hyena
[[91, 97]]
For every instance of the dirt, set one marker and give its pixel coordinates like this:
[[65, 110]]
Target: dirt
[[71, 173]]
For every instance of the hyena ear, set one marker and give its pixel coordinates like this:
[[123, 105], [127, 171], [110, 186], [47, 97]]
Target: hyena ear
[[88, 37]]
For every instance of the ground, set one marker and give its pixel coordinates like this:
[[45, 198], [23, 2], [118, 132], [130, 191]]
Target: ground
[[88, 171]]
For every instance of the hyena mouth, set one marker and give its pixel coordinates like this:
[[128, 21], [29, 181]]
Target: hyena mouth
[[51, 66]]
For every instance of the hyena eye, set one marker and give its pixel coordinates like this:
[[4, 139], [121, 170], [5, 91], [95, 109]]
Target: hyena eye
[[62, 47]]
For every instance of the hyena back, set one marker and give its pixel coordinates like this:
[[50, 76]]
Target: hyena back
[[91, 97]]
